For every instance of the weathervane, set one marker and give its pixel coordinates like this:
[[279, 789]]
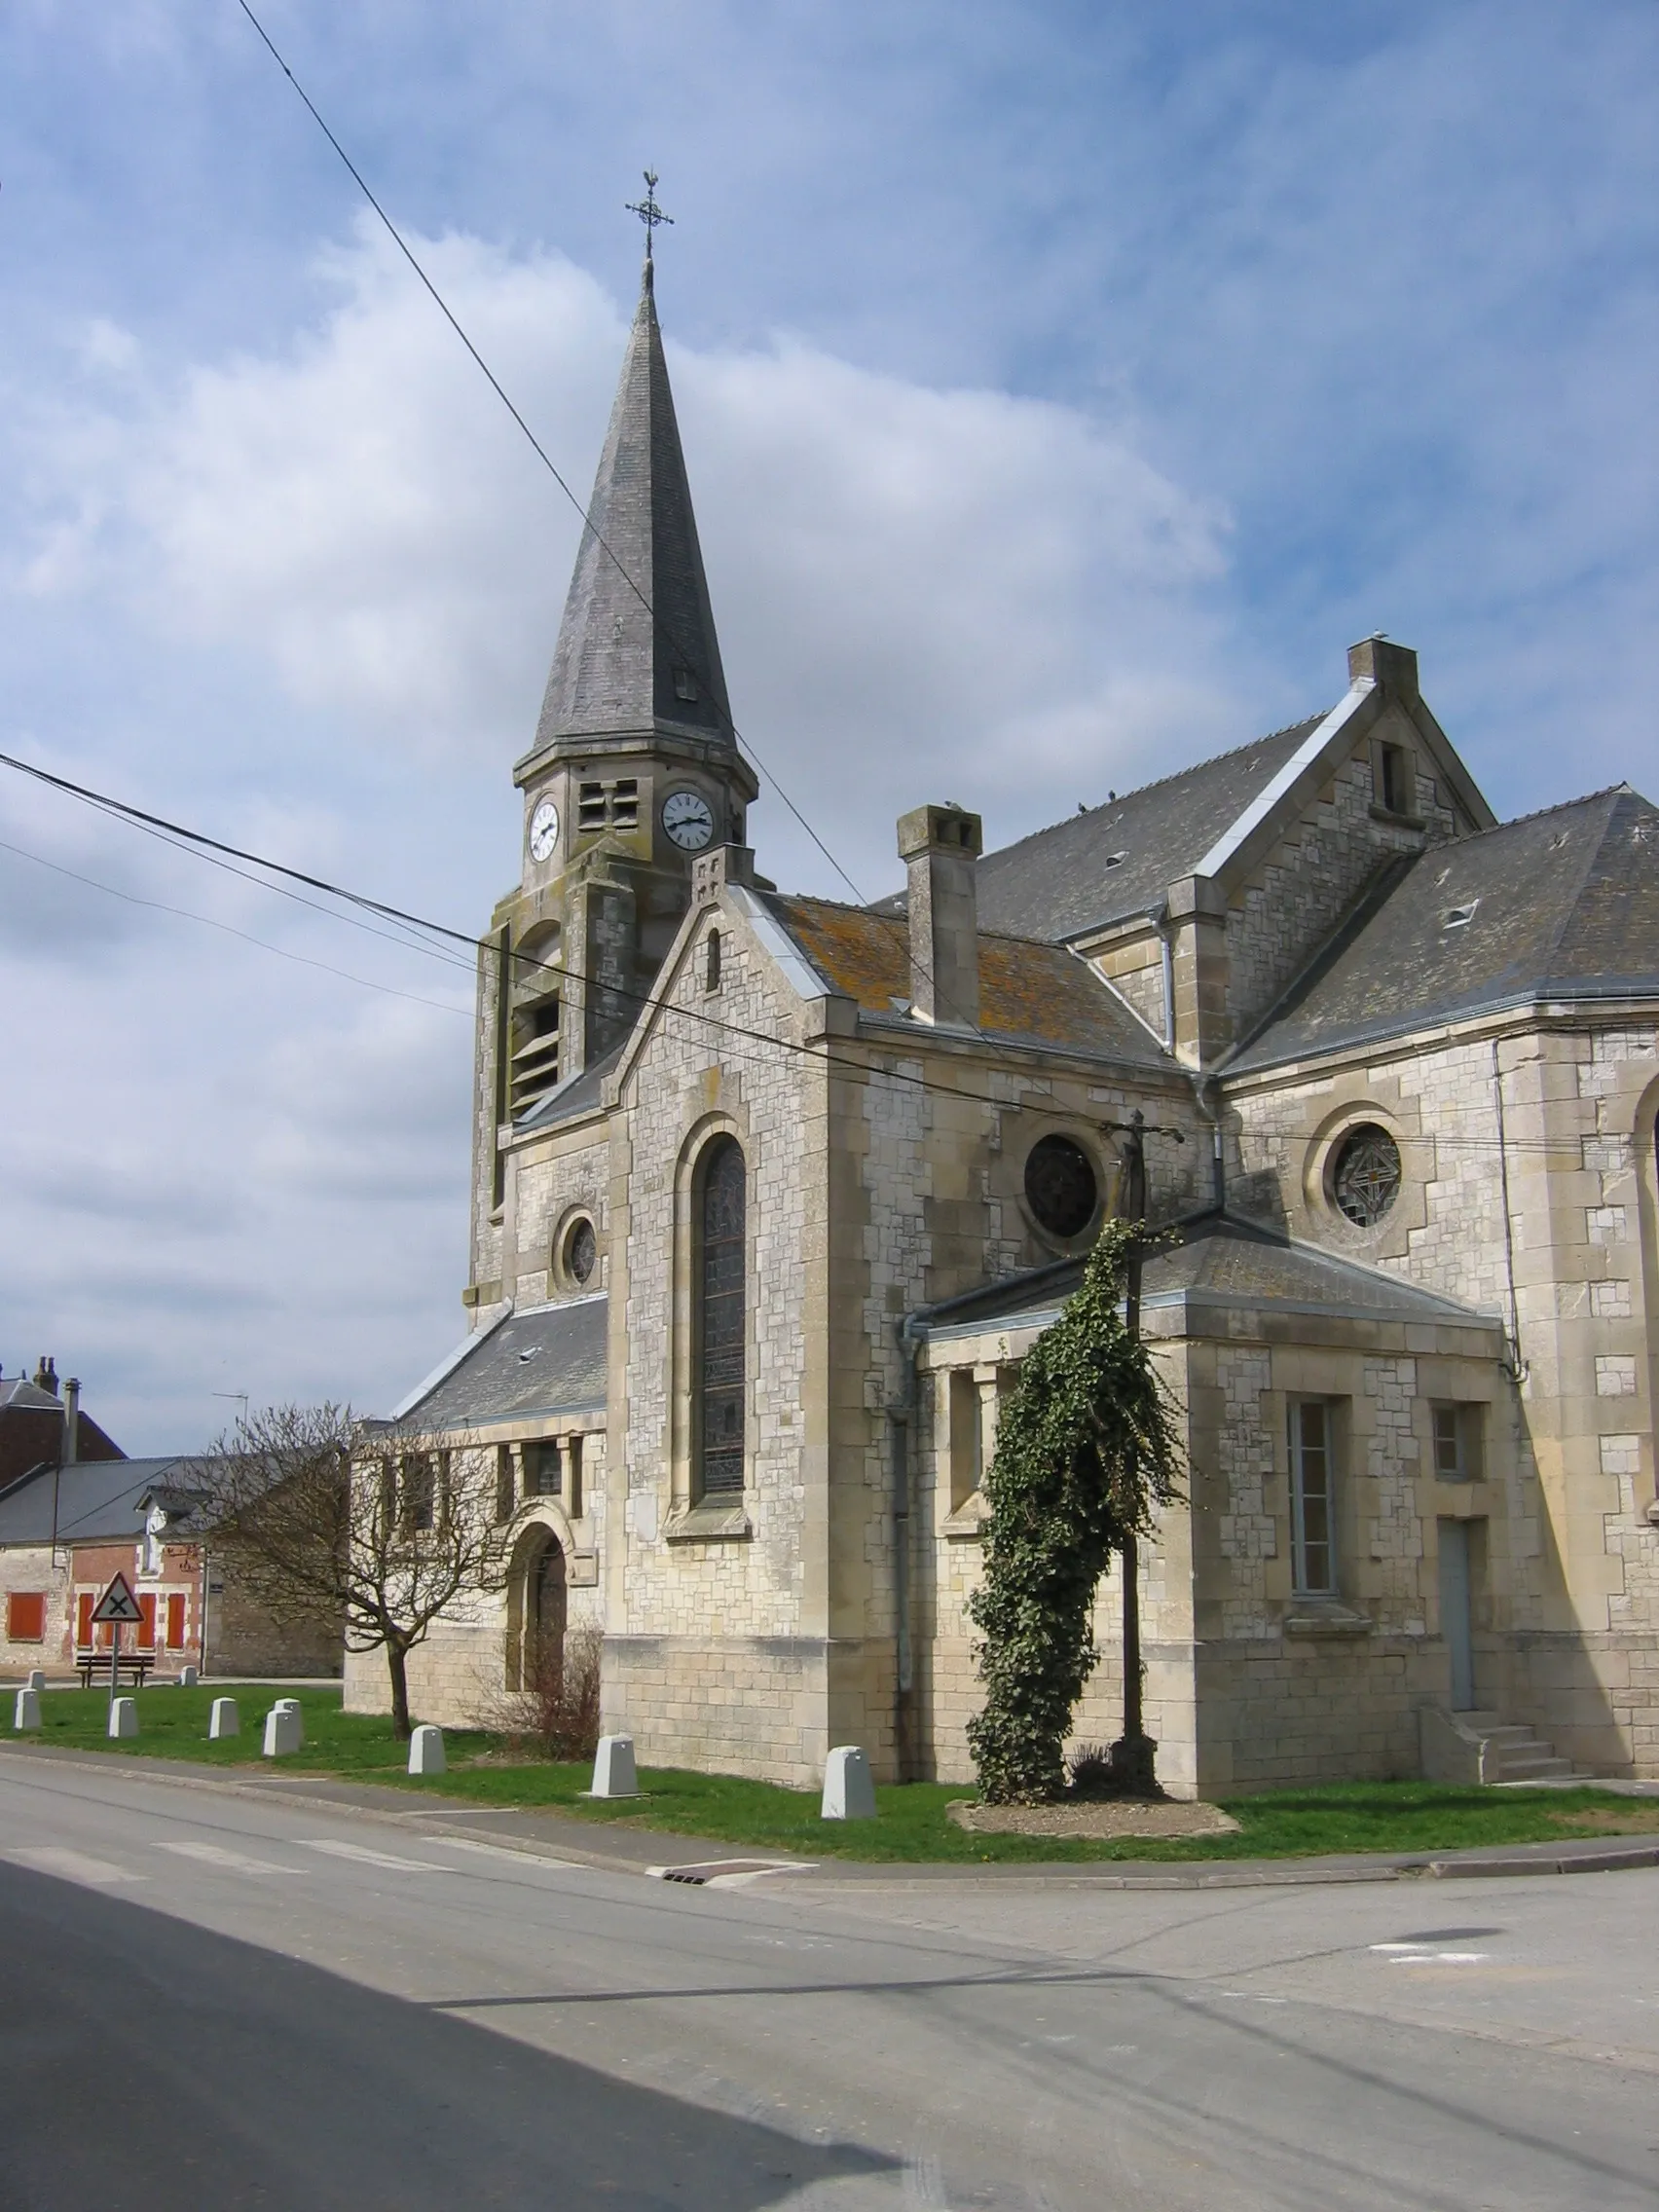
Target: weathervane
[[647, 210]]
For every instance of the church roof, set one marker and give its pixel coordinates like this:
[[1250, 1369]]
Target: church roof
[[637, 648], [1121, 858], [1030, 994], [1221, 1263], [528, 1365], [1561, 904]]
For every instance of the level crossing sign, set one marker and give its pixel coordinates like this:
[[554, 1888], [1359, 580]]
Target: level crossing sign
[[119, 1606]]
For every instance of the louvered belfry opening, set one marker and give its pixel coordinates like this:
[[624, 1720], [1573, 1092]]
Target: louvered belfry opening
[[722, 1317]]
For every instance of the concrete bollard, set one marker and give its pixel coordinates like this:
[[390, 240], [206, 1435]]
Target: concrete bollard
[[426, 1750], [224, 1719], [283, 1731], [26, 1713], [124, 1716], [849, 1794], [188, 1678], [291, 1705], [35, 1678], [614, 1773]]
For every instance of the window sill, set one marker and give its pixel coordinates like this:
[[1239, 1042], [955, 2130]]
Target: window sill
[[967, 1524], [1396, 820], [1324, 1616], [709, 1522]]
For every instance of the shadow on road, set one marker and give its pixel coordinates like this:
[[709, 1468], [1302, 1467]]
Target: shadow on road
[[148, 2064]]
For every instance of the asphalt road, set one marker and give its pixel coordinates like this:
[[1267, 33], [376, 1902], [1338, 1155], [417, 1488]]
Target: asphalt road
[[212, 2001]]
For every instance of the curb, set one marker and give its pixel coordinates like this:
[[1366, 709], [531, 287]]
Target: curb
[[655, 1853]]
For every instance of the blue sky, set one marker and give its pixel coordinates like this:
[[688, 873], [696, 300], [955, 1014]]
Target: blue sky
[[1064, 388]]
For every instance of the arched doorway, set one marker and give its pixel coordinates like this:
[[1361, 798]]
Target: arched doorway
[[536, 1605]]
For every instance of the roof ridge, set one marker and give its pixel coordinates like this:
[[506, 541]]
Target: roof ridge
[[1160, 783], [1538, 813]]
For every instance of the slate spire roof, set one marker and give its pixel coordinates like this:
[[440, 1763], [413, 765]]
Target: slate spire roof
[[637, 662]]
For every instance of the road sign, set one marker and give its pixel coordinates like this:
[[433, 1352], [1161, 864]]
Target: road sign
[[118, 1605]]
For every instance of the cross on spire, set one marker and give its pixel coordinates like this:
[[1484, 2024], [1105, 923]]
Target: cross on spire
[[647, 210]]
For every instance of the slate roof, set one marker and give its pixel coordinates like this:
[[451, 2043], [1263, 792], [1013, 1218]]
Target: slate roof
[[543, 1361], [579, 1094], [1029, 993], [623, 651], [1561, 904], [97, 1501], [1070, 878], [1221, 1263]]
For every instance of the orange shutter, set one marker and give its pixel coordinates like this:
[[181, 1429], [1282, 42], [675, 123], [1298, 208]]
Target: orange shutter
[[147, 1621], [84, 1605], [175, 1621], [25, 1616]]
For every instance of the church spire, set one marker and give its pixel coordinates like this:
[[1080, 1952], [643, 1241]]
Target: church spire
[[637, 652]]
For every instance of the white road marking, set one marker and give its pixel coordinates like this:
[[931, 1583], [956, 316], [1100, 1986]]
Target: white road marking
[[1426, 1955], [73, 1866], [364, 1856], [234, 1861], [515, 1857]]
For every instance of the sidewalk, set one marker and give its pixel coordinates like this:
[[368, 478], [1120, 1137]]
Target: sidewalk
[[703, 1861]]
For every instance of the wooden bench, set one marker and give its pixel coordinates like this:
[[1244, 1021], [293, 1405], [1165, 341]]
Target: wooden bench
[[132, 1667]]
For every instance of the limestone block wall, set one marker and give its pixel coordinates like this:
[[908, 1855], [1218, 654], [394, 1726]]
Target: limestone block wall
[[1290, 903], [29, 1568], [552, 1181]]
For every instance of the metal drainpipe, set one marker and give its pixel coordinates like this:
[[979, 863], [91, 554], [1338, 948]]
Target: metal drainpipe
[[1218, 1155], [1160, 916], [901, 1416]]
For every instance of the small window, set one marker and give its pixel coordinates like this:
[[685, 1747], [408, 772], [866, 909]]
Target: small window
[[505, 1500], [1365, 1175], [1313, 1550], [684, 683], [590, 806], [581, 1252], [573, 1467], [1061, 1187], [1393, 779], [25, 1616], [543, 1471], [418, 1482], [1459, 1443], [625, 802], [712, 962]]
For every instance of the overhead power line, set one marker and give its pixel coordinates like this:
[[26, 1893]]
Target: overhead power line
[[199, 844]]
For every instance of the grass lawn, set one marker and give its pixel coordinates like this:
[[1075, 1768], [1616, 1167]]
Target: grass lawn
[[1333, 1816]]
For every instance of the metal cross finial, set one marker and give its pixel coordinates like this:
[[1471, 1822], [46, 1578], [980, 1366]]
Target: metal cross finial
[[647, 210]]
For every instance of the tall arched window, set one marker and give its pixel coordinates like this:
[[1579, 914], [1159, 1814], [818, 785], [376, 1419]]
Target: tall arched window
[[721, 1317]]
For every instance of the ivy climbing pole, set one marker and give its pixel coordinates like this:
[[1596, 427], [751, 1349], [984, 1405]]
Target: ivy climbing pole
[[1088, 1449]]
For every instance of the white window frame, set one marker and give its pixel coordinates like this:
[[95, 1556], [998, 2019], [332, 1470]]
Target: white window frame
[[1303, 1453], [1466, 1424]]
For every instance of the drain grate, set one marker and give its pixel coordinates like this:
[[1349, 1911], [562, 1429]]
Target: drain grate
[[724, 1873]]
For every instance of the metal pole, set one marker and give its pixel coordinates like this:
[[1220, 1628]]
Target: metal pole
[[114, 1662]]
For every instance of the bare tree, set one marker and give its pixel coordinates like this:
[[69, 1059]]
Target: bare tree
[[324, 1520]]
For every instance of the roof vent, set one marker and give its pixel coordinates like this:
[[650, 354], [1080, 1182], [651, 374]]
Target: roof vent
[[1458, 917], [530, 1351], [1115, 860]]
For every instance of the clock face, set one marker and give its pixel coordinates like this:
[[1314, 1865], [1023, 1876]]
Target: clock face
[[543, 829], [688, 819]]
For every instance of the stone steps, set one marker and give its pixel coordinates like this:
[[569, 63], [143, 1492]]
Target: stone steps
[[1516, 1752]]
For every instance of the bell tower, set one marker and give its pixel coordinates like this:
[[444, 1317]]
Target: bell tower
[[632, 772]]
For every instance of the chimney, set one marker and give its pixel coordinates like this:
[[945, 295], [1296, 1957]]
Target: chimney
[[46, 1375], [939, 846], [71, 1420], [1390, 667]]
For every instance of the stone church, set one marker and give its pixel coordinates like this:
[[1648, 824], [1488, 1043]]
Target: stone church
[[771, 1195]]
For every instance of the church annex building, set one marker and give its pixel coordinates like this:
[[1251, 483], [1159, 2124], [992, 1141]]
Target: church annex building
[[771, 1195]]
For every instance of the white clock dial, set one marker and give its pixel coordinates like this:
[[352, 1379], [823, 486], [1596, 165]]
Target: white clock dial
[[688, 819], [543, 829]]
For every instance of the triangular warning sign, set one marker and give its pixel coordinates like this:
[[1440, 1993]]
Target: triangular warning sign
[[118, 1603]]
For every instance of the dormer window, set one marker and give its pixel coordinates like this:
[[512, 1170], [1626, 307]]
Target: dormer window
[[684, 685]]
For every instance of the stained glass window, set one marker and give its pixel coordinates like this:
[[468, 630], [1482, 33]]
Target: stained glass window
[[1365, 1180], [721, 1332], [580, 1252], [1060, 1186]]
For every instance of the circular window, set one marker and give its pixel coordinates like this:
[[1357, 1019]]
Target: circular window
[[1365, 1176], [581, 1252], [1061, 1187]]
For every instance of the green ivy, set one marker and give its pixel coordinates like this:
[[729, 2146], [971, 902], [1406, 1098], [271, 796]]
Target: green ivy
[[1088, 1449]]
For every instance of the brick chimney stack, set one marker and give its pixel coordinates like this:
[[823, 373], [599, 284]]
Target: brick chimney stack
[[939, 846]]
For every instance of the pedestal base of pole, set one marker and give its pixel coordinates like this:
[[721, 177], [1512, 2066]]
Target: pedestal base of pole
[[1135, 1766]]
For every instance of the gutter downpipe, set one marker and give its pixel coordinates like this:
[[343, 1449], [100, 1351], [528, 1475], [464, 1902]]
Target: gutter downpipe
[[1515, 1367], [1159, 918], [1218, 1154], [901, 1417]]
